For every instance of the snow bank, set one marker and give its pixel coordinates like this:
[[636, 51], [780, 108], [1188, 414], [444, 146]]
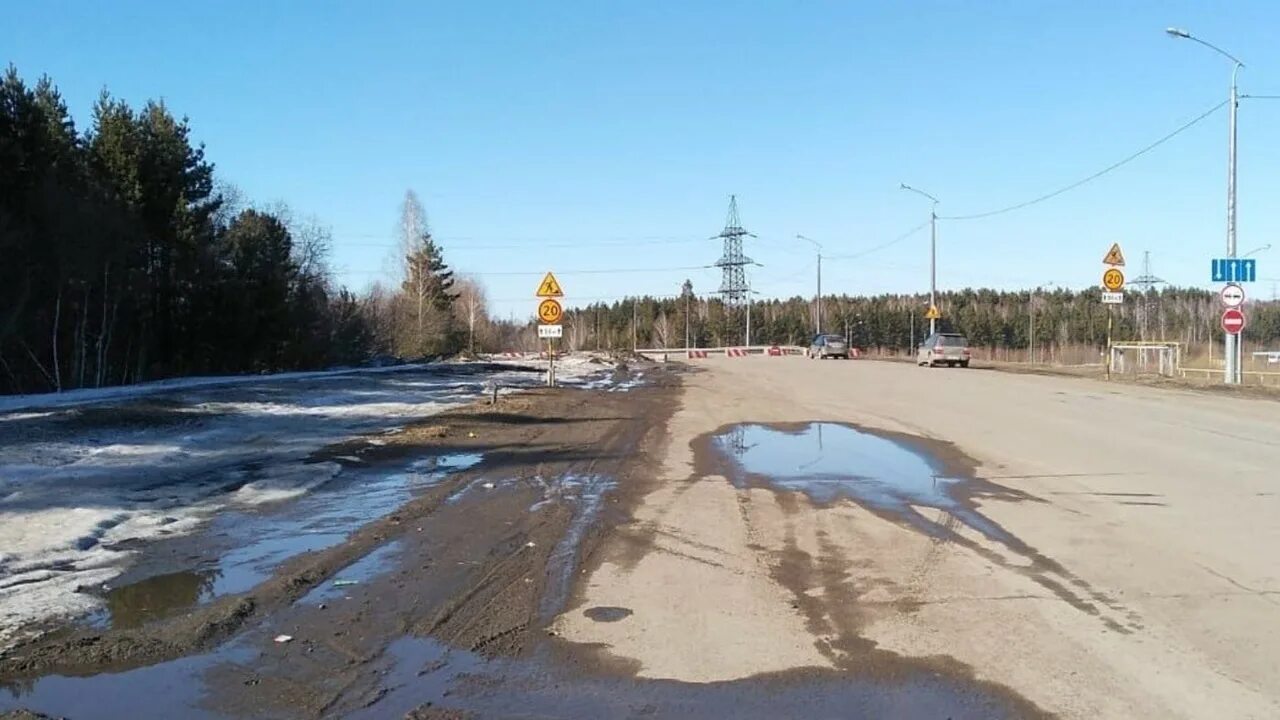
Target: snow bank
[[124, 392], [78, 491]]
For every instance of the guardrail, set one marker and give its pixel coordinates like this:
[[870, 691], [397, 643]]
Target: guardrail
[[1264, 377]]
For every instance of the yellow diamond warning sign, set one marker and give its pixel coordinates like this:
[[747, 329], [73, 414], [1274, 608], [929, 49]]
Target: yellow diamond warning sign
[[932, 313], [549, 287], [1114, 257]]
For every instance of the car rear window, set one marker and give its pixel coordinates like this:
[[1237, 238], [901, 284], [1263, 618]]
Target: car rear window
[[835, 339], [953, 340]]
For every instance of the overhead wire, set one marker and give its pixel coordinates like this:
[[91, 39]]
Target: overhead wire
[[881, 246], [1094, 176]]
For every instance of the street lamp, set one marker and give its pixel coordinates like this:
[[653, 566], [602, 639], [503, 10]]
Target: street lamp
[[818, 317], [933, 253], [1232, 342], [1264, 248]]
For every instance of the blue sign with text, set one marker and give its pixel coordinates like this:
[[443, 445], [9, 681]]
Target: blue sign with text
[[1235, 270]]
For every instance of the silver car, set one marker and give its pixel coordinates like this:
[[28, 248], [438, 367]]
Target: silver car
[[944, 349], [825, 346]]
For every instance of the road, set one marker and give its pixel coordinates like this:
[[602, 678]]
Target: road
[[748, 537], [1111, 553]]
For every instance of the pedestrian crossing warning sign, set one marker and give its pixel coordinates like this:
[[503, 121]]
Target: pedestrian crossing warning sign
[[549, 287], [932, 313], [1114, 257]]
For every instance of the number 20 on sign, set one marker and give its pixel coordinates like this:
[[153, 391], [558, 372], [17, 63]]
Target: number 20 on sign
[[550, 312]]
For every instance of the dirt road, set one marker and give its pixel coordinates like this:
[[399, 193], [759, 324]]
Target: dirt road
[[1096, 550]]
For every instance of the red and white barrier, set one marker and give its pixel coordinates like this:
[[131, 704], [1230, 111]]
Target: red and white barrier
[[693, 354], [735, 352]]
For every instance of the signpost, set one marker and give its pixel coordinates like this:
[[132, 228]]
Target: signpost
[[1113, 281], [1234, 270], [932, 313], [1114, 256], [550, 313], [1233, 321], [1232, 296]]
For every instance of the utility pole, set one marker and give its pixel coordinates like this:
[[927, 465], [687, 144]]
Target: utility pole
[[817, 297], [635, 331], [933, 253], [1231, 374], [1031, 332], [687, 291]]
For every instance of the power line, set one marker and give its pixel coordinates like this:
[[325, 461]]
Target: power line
[[540, 273], [1094, 176], [881, 246], [460, 243]]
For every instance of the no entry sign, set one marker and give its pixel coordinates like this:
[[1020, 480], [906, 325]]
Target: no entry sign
[[1233, 321]]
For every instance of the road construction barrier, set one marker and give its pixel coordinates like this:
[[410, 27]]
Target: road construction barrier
[[774, 351], [699, 353]]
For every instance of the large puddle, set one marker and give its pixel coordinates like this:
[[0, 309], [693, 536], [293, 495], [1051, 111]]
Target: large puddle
[[420, 673], [893, 475]]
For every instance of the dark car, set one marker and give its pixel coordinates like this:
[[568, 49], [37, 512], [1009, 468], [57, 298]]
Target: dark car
[[950, 349]]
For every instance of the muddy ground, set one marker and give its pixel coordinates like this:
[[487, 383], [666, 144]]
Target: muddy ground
[[479, 562]]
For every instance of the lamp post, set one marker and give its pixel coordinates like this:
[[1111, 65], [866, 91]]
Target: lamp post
[[933, 252], [1232, 342], [818, 296]]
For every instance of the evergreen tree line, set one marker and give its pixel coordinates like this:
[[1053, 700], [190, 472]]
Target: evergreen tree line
[[991, 319], [122, 259]]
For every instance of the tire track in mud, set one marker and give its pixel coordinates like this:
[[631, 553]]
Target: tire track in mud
[[722, 452]]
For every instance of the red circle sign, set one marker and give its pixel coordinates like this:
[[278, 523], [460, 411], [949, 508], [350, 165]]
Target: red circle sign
[[1233, 321]]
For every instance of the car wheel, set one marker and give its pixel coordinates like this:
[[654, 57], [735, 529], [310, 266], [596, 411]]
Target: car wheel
[[964, 363]]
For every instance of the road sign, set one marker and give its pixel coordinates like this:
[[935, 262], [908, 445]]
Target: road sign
[[1232, 296], [932, 313], [1114, 257], [1233, 321], [1113, 280], [550, 312], [1234, 270], [549, 287], [550, 331], [1112, 298]]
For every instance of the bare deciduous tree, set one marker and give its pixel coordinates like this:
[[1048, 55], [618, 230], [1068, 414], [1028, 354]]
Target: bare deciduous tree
[[473, 308]]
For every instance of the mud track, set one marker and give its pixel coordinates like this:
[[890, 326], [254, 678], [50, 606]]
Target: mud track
[[471, 566]]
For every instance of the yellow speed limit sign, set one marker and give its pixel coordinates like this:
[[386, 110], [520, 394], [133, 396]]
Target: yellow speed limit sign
[[1113, 280], [550, 312]]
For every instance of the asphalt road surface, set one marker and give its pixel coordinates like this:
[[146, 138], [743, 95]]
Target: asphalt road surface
[[1095, 549]]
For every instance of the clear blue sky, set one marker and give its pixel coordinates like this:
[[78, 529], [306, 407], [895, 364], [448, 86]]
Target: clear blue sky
[[615, 132]]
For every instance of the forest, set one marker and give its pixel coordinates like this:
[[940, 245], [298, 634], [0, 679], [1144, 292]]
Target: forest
[[991, 319], [124, 258]]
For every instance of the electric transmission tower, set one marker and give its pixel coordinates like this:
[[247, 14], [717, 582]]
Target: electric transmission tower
[[734, 286], [1145, 282]]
